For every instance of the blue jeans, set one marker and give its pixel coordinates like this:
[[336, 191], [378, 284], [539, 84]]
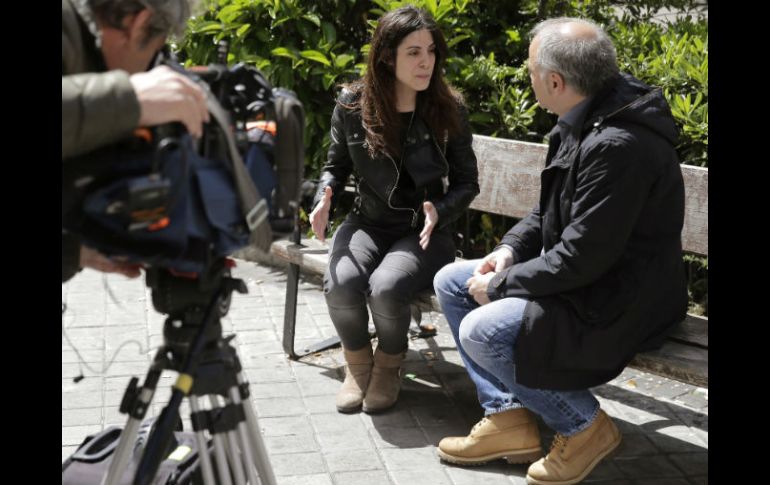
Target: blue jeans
[[485, 337]]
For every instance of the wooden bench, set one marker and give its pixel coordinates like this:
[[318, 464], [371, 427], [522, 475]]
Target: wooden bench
[[509, 178]]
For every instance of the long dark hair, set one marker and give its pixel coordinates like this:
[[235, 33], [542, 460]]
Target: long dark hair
[[437, 105]]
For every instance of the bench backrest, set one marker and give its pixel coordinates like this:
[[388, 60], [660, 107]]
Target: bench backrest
[[509, 178]]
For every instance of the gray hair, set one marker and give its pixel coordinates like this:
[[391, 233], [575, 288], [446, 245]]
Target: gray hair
[[585, 62], [168, 16]]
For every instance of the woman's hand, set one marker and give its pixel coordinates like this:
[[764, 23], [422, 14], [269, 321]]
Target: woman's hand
[[431, 219], [319, 218]]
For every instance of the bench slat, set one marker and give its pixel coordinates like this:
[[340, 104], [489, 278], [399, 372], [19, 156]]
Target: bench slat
[[683, 362], [693, 330], [312, 255], [509, 179]]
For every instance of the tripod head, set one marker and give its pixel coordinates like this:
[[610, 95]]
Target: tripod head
[[186, 300]]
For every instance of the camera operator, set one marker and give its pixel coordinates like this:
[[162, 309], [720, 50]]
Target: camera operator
[[107, 92]]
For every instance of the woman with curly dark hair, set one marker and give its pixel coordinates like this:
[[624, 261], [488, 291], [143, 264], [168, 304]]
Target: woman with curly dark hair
[[403, 133]]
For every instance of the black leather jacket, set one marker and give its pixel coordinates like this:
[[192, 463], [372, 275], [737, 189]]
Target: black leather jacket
[[446, 176]]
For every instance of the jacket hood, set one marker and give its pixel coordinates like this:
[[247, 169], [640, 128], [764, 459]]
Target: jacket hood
[[629, 100]]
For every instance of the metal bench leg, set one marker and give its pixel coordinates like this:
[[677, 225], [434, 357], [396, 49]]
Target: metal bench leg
[[290, 313], [290, 320]]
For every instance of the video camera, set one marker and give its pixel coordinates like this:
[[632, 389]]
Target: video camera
[[163, 199]]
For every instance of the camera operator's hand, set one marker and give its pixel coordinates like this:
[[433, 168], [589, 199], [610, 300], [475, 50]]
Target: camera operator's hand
[[319, 218], [165, 95], [431, 219], [90, 258]]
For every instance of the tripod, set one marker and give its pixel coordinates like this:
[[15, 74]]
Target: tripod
[[207, 365]]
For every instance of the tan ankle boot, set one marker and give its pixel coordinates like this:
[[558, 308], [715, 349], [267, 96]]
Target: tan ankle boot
[[512, 435], [357, 375], [572, 458], [386, 382]]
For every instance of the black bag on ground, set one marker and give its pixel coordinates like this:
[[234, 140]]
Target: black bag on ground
[[90, 462]]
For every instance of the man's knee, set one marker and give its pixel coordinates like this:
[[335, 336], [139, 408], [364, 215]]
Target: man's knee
[[470, 331], [447, 280]]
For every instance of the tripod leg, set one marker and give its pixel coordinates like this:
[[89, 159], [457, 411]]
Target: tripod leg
[[221, 459], [258, 448], [243, 437], [135, 403], [122, 453], [231, 448], [203, 449]]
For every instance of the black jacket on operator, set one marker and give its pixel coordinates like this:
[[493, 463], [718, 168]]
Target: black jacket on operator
[[611, 281], [443, 173]]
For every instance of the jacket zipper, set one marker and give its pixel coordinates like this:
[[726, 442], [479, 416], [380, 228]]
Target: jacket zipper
[[398, 176], [445, 179]]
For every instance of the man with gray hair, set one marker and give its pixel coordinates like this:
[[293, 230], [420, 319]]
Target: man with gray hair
[[107, 92], [593, 275]]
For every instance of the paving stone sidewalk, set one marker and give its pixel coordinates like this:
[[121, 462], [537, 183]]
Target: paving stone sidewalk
[[664, 422]]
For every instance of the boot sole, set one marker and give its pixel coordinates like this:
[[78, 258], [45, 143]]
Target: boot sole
[[376, 410], [513, 457], [350, 410], [589, 468]]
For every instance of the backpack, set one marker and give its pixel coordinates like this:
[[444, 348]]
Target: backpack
[[92, 459]]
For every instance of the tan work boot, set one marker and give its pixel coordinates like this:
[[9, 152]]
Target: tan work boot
[[386, 382], [511, 434], [358, 372], [572, 458]]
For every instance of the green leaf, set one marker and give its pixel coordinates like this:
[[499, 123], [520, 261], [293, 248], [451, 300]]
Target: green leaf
[[457, 39], [311, 17], [329, 33], [430, 6], [279, 22], [444, 8], [209, 26], [283, 52], [242, 30], [229, 13], [343, 60], [328, 80], [316, 56]]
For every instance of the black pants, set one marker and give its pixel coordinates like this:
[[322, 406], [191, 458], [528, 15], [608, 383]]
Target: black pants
[[386, 267]]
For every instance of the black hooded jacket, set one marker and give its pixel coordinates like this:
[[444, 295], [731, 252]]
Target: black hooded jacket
[[443, 173], [611, 280]]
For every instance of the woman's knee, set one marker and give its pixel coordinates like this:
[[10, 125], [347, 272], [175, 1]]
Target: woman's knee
[[389, 287], [344, 289]]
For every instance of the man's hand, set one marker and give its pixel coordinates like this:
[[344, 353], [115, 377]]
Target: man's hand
[[431, 219], [319, 218], [477, 287], [90, 258], [495, 261], [165, 95]]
